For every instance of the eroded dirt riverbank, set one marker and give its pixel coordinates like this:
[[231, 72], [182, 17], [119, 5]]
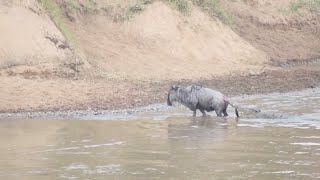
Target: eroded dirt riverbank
[[34, 95]]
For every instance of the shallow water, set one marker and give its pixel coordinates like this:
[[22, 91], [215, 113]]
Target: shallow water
[[282, 142]]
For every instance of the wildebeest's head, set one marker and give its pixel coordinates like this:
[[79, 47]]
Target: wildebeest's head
[[172, 95]]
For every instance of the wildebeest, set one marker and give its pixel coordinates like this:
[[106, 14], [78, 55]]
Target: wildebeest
[[197, 97]]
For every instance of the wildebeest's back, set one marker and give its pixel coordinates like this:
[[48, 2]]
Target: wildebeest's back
[[208, 98]]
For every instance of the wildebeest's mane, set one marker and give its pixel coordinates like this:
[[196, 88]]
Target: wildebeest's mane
[[188, 95], [196, 87]]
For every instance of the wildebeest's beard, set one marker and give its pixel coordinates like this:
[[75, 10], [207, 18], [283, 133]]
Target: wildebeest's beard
[[168, 100]]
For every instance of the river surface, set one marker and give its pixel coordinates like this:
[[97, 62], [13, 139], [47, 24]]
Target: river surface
[[281, 142]]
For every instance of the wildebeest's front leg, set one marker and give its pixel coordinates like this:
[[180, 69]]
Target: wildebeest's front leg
[[193, 107], [201, 109], [203, 112], [194, 113]]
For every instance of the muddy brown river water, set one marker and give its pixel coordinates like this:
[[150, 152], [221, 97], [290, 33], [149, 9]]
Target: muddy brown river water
[[282, 142]]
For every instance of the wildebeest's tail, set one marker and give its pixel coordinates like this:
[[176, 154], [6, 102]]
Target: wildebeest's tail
[[235, 109]]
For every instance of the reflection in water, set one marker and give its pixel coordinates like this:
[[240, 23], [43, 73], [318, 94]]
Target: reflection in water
[[180, 147]]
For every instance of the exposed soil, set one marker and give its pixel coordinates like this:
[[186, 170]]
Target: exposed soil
[[57, 94], [161, 43], [271, 27], [24, 29]]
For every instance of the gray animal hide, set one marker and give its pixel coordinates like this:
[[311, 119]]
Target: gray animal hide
[[197, 97]]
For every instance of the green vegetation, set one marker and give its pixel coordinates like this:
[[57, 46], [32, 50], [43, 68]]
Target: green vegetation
[[309, 5], [118, 12], [133, 9], [122, 12], [294, 7], [88, 8], [184, 6], [54, 13], [213, 7]]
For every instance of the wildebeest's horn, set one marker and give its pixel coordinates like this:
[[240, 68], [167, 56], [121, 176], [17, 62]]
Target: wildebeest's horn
[[174, 87]]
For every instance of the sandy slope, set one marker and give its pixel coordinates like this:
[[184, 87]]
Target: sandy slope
[[160, 43], [23, 30]]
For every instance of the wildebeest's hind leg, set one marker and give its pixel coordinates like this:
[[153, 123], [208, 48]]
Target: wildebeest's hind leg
[[225, 112], [219, 113], [194, 113]]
